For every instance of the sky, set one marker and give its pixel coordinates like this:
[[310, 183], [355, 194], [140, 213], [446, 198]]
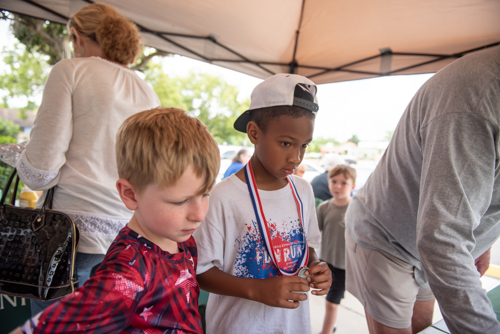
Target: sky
[[367, 108]]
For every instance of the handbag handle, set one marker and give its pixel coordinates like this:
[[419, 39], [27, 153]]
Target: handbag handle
[[39, 220]]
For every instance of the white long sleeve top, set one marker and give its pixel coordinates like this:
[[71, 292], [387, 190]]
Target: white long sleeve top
[[72, 144]]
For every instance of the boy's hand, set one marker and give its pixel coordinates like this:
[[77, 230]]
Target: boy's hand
[[483, 262], [282, 291], [321, 278]]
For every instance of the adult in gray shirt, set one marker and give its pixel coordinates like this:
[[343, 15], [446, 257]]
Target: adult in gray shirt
[[430, 211]]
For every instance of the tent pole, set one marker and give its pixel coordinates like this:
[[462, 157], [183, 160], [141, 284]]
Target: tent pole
[[293, 64]]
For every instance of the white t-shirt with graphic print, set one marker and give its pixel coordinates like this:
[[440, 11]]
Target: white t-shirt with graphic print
[[229, 239]]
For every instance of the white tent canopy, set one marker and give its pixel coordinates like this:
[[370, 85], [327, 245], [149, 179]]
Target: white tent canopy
[[325, 40]]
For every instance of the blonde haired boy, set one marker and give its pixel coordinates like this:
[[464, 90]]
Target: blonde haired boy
[[167, 163], [331, 221]]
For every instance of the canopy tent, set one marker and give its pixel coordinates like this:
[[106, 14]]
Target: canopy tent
[[325, 40]]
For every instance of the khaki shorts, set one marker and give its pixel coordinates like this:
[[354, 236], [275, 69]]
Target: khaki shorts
[[383, 284]]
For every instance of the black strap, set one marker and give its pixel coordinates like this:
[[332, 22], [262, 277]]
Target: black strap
[[47, 204]]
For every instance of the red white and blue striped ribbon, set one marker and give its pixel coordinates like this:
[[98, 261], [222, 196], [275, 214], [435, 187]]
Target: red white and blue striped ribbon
[[262, 223]]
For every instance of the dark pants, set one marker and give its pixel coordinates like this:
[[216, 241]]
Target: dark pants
[[337, 289]]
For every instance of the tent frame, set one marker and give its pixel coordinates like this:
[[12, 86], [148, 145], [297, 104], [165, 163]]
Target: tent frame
[[385, 54]]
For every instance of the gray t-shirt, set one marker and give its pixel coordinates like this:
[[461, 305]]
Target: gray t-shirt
[[434, 198], [332, 225]]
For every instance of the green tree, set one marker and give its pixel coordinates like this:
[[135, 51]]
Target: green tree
[[41, 44], [23, 75], [206, 97], [51, 39], [354, 139], [166, 87], [39, 36], [8, 132], [215, 103], [318, 143]]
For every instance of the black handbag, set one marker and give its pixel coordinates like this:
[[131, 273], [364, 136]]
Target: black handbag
[[37, 249]]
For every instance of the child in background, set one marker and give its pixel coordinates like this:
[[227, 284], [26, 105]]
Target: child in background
[[167, 164], [341, 182], [256, 245], [301, 170]]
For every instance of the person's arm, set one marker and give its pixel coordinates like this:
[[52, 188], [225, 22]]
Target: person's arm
[[458, 173], [320, 276], [106, 303], [319, 214], [39, 164], [282, 291], [482, 263], [276, 291]]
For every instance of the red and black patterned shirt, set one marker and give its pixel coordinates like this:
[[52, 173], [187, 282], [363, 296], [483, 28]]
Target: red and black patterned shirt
[[138, 288]]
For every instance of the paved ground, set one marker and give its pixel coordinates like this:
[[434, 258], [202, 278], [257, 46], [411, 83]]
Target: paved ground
[[351, 319]]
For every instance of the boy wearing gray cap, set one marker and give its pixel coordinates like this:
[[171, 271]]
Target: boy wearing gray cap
[[256, 244]]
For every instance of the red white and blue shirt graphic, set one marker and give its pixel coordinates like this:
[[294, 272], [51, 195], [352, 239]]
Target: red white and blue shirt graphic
[[252, 257], [230, 240], [281, 247]]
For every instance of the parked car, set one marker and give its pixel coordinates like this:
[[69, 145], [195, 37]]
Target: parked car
[[227, 153], [363, 172], [350, 159], [312, 170]]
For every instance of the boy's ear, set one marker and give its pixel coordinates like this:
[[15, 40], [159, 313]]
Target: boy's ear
[[253, 131], [127, 194]]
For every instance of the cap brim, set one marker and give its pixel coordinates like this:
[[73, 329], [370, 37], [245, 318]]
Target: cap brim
[[241, 122]]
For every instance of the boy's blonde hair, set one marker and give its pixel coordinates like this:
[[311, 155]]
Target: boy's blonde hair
[[347, 171], [117, 36], [157, 145]]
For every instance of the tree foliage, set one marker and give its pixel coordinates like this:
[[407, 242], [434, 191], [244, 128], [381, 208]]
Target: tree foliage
[[51, 39], [23, 75], [318, 143], [43, 43], [40, 36], [354, 139], [8, 132], [206, 97]]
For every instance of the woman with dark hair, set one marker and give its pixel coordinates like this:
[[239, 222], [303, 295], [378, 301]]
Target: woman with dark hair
[[72, 144], [239, 161]]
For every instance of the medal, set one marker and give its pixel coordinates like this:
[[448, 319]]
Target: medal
[[302, 272], [264, 228]]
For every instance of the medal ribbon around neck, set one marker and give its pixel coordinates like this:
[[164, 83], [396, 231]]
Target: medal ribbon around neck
[[262, 223]]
